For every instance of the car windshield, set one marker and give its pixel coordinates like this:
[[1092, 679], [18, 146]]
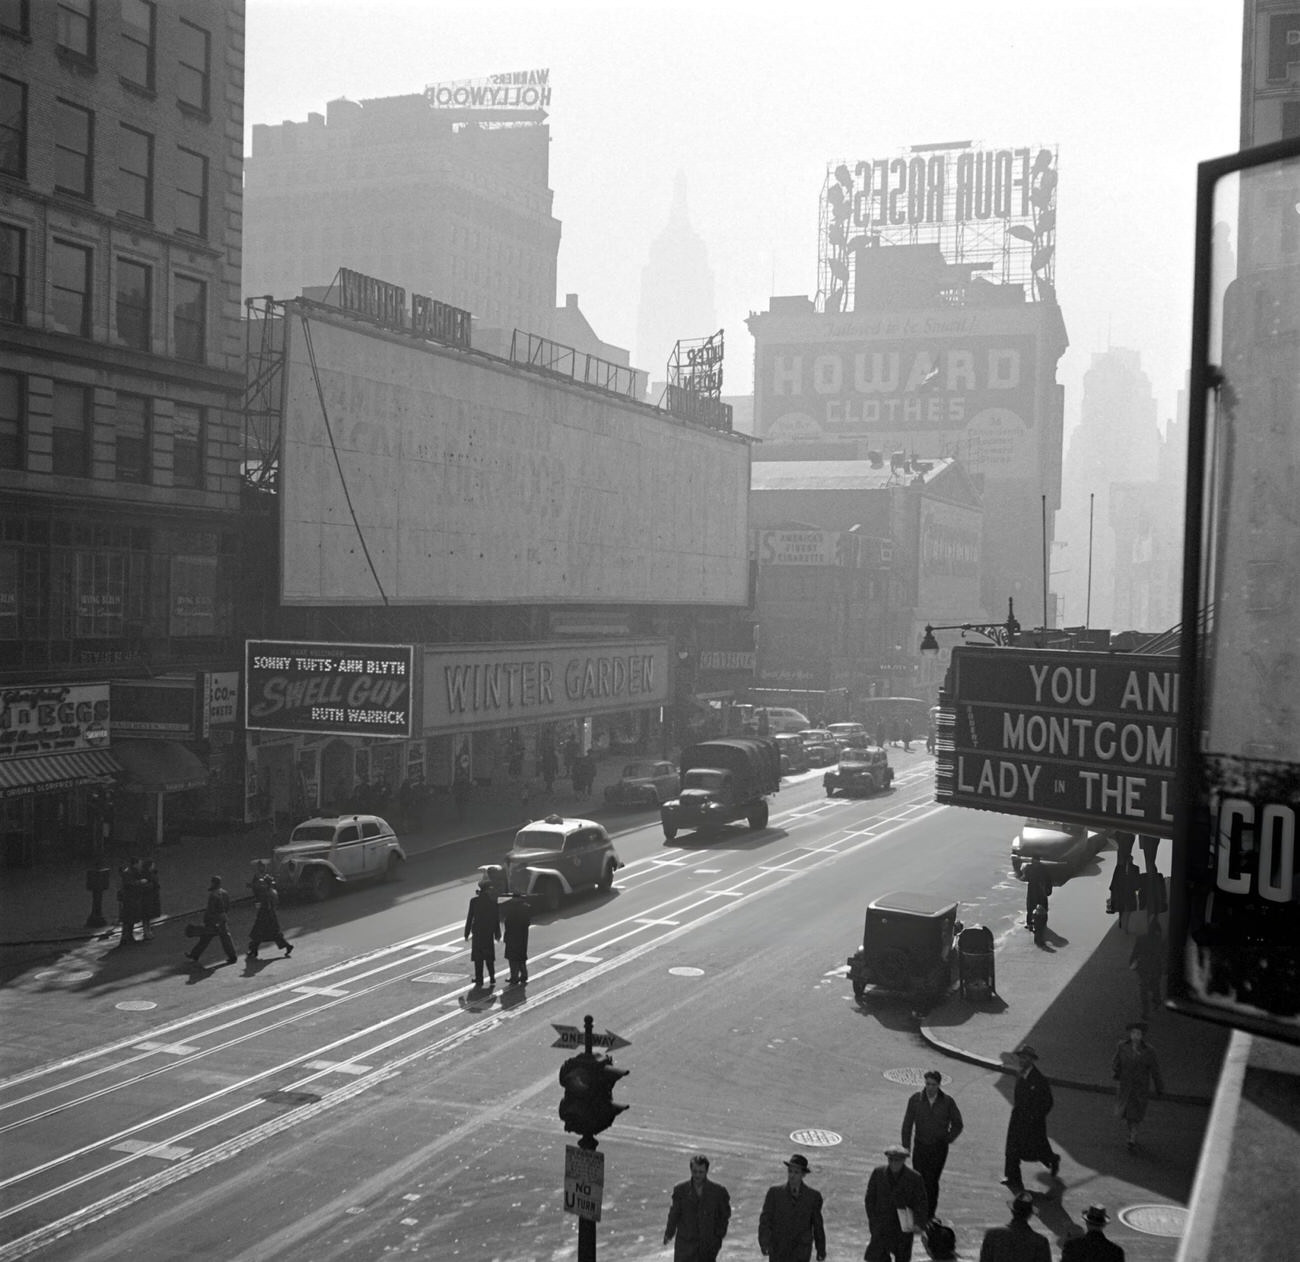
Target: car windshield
[[313, 832], [537, 839], [703, 778], [638, 771]]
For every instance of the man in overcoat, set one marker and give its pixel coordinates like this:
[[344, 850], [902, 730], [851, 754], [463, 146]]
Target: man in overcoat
[[1027, 1128], [1092, 1246], [484, 922], [1017, 1241], [266, 923], [791, 1222], [891, 1188], [936, 1121], [1038, 888], [216, 924], [698, 1215], [516, 916]]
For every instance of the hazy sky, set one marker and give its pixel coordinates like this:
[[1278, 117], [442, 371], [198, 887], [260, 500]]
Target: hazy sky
[[752, 99]]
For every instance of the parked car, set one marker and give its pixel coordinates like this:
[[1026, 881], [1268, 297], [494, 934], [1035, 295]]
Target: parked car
[[644, 783], [324, 853], [819, 745], [1059, 847], [848, 734], [908, 942], [860, 769], [779, 719], [794, 757], [555, 857]]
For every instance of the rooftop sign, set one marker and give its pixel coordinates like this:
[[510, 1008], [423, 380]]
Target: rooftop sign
[[512, 90]]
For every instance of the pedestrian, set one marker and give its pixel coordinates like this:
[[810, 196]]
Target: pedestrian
[[216, 924], [150, 898], [935, 1120], [1038, 888], [1137, 1074], [130, 900], [1147, 960], [548, 765], [1092, 1246], [1017, 1241], [484, 922], [1027, 1128], [516, 916], [266, 923], [461, 786], [698, 1215], [897, 1207], [791, 1222], [907, 738]]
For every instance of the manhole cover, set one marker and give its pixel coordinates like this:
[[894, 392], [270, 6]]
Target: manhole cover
[[911, 1077], [1155, 1220], [816, 1139], [135, 1005], [63, 975], [686, 972]]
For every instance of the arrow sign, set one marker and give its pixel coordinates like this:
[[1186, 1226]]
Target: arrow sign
[[609, 1039], [571, 1037]]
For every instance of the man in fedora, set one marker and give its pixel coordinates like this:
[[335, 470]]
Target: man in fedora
[[936, 1121], [1027, 1128], [1092, 1246], [698, 1215], [484, 922], [791, 1222], [896, 1208], [1017, 1241]]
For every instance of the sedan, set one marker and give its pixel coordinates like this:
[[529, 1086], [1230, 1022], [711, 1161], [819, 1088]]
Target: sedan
[[644, 783], [820, 746], [848, 734], [1058, 846]]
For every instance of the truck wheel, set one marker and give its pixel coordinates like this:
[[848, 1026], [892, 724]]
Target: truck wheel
[[606, 878], [758, 816], [394, 871], [859, 987], [319, 885], [670, 831], [550, 893]]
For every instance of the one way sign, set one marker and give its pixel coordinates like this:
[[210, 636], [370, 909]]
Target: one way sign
[[571, 1037]]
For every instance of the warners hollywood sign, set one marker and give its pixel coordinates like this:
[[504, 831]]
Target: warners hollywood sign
[[515, 89], [385, 303], [1085, 737]]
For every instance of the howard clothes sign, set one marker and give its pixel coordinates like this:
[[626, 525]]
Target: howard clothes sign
[[502, 685], [1085, 737]]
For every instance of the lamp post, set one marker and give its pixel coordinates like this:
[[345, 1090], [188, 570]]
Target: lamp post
[[1001, 633]]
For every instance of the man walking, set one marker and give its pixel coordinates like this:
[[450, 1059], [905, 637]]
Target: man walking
[[1038, 888], [791, 1222], [1017, 1241], [896, 1208], [936, 1121], [266, 924], [130, 897], [516, 916], [1027, 1128], [216, 924], [484, 922], [698, 1215], [1092, 1246]]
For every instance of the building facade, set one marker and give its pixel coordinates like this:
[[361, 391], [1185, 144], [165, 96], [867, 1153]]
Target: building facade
[[120, 381]]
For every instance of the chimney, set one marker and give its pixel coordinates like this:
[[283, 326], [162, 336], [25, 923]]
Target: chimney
[[571, 301]]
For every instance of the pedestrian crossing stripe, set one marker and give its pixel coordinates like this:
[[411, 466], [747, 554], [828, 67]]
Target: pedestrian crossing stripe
[[172, 1049], [164, 1152], [333, 992], [339, 1066]]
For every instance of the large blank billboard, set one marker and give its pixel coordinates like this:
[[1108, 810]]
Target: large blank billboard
[[474, 481]]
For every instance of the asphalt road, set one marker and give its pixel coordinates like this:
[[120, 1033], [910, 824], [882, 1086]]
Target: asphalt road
[[358, 1101]]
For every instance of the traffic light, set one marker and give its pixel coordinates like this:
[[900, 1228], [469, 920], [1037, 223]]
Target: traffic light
[[588, 1081]]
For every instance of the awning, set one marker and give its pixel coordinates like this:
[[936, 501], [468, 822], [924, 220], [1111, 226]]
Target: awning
[[159, 766], [49, 772]]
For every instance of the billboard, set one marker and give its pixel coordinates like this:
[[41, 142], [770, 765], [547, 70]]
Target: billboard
[[471, 481], [155, 707], [329, 689], [53, 718], [509, 90], [1082, 737]]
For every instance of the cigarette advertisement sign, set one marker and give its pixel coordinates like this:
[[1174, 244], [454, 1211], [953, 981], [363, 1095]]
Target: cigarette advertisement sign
[[1082, 737], [53, 718], [335, 689]]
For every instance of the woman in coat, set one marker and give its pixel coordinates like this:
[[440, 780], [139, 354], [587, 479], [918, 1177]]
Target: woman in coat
[[1136, 1071], [484, 923]]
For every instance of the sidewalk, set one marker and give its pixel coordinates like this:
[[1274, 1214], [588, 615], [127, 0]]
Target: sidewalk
[[49, 905], [1071, 1002]]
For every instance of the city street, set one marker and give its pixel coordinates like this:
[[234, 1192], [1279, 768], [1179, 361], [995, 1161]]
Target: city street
[[359, 1099]]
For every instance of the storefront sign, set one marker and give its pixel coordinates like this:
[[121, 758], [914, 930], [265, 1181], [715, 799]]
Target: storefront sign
[[341, 689], [220, 697], [1083, 737], [490, 686], [728, 659], [154, 707], [52, 718]]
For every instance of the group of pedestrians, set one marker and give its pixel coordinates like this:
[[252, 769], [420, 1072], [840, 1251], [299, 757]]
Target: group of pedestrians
[[216, 919], [489, 922], [139, 900]]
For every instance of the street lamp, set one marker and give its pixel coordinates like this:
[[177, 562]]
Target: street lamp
[[1003, 633]]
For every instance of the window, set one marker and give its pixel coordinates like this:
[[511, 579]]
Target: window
[[74, 135], [192, 193], [189, 318], [134, 305], [135, 169], [13, 16], [13, 127], [70, 278], [76, 31], [187, 447], [71, 430], [138, 42], [11, 421], [132, 431], [192, 75], [13, 273]]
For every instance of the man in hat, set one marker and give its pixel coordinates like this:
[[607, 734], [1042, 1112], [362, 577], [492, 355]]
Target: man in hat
[[897, 1207], [516, 916], [1092, 1246], [791, 1222], [216, 924], [698, 1215], [1027, 1128], [484, 922], [936, 1121], [1137, 1074], [266, 923], [1017, 1241]]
